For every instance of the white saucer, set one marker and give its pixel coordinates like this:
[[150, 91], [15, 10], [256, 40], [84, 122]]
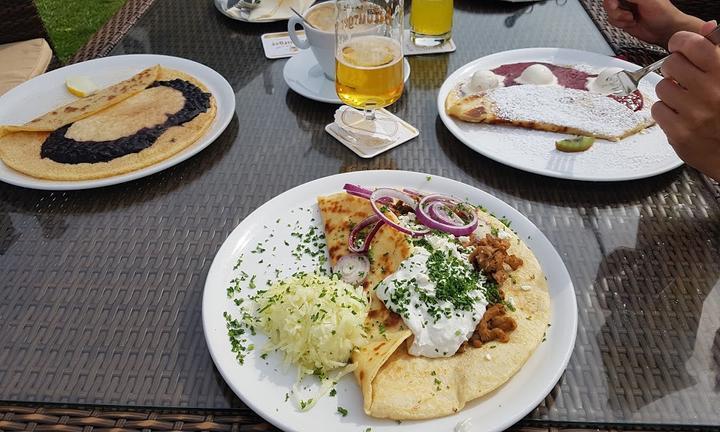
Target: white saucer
[[305, 76]]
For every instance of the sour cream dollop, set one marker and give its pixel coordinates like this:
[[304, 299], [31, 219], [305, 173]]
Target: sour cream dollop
[[605, 83], [537, 74], [417, 291], [483, 80]]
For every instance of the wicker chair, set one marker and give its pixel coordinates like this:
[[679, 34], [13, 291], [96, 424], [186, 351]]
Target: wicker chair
[[21, 21], [21, 44]]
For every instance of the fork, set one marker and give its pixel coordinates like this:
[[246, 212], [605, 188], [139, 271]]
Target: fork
[[625, 82]]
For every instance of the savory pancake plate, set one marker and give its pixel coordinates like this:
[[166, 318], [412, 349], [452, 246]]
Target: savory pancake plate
[[641, 155], [263, 383], [43, 93]]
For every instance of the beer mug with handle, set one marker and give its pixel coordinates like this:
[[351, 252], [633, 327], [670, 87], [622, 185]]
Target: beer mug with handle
[[369, 61]]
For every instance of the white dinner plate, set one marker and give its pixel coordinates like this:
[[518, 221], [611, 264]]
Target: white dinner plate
[[45, 92], [303, 74], [641, 155], [241, 15], [259, 241]]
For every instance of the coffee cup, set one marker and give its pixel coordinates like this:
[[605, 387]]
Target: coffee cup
[[320, 38]]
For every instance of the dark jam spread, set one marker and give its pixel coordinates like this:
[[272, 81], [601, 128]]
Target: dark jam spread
[[567, 77], [66, 150]]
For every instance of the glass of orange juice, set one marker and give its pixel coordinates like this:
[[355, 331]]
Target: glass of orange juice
[[431, 22]]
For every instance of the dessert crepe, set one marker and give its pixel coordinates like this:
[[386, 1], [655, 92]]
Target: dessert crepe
[[548, 97]]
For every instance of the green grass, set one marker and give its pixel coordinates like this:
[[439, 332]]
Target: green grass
[[72, 22]]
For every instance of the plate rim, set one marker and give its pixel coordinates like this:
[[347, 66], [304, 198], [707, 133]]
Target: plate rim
[[451, 124], [231, 243], [219, 7], [336, 101], [222, 120]]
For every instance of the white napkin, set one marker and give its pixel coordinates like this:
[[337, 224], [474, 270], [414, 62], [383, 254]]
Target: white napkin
[[278, 9]]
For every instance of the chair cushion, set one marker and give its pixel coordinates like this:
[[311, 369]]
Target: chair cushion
[[20, 61]]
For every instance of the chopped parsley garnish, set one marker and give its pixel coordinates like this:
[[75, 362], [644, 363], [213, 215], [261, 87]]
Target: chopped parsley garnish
[[342, 411], [236, 332], [333, 392], [453, 281], [492, 292]]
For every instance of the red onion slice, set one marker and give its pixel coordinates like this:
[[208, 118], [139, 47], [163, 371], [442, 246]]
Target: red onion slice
[[353, 245], [358, 191], [381, 195], [415, 194], [353, 268], [429, 211], [442, 213]]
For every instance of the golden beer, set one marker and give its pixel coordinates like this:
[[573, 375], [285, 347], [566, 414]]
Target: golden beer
[[369, 72], [431, 21]]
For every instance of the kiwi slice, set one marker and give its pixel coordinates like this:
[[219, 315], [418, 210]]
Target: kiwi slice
[[573, 145]]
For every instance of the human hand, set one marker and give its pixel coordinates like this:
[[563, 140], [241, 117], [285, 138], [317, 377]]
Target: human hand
[[689, 106], [653, 21]]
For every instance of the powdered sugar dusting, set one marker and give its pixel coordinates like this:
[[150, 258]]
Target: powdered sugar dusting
[[596, 114], [641, 155]]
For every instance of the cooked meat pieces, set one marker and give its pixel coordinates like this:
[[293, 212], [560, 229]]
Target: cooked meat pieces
[[490, 256]]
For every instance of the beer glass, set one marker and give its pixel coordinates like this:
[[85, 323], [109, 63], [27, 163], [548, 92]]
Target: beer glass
[[431, 22], [369, 61]]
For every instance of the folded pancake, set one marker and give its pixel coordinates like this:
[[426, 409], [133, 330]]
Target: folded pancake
[[340, 213], [146, 127], [81, 108], [400, 386], [550, 108]]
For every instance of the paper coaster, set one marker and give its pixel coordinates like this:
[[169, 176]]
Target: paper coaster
[[412, 49], [405, 133], [279, 45]]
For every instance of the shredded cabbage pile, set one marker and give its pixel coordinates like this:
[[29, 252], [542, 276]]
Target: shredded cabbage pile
[[314, 320]]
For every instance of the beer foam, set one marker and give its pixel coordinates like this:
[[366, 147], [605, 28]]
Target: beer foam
[[370, 52]]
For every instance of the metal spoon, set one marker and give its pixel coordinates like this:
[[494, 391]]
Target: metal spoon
[[302, 18]]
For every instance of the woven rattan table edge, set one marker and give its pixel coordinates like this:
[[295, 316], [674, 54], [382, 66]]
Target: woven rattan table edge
[[76, 417], [105, 39]]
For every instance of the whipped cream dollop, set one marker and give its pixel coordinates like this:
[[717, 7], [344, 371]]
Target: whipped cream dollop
[[483, 80], [426, 292], [606, 82], [537, 74]]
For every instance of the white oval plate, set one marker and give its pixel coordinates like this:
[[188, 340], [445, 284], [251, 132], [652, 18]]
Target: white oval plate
[[642, 155], [303, 74], [239, 16], [262, 384], [45, 92]]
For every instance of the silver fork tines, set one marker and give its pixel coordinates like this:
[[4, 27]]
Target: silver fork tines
[[626, 82]]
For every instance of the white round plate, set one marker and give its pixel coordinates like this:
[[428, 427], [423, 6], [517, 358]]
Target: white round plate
[[304, 75], [45, 92], [262, 384], [238, 15], [642, 155]]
